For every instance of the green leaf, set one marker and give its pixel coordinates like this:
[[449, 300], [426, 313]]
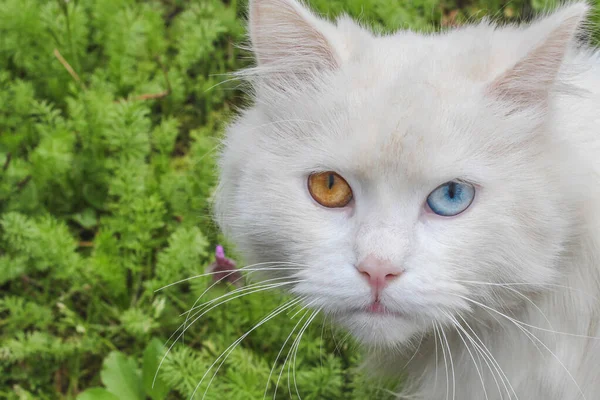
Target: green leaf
[[120, 376], [86, 219], [97, 394], [152, 356]]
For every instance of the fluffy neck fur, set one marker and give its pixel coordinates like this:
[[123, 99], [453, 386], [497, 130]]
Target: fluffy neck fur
[[547, 348], [499, 303]]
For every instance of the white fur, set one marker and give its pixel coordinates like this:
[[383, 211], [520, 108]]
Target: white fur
[[515, 110]]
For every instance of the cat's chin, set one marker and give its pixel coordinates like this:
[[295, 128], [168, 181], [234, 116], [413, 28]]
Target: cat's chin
[[374, 329]]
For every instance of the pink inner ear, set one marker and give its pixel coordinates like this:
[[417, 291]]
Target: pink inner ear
[[284, 32], [219, 252], [530, 80]]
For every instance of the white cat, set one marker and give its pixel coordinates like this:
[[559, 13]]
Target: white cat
[[435, 190]]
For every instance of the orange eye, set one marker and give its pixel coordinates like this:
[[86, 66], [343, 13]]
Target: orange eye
[[329, 189]]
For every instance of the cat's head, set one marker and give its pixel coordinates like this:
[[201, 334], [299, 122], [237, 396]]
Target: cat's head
[[403, 175]]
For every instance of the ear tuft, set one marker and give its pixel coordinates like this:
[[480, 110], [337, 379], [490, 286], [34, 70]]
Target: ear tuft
[[284, 33], [530, 80]]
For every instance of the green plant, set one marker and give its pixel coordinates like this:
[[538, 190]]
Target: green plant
[[124, 380]]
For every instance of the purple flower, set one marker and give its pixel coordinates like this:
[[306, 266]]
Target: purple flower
[[224, 269]]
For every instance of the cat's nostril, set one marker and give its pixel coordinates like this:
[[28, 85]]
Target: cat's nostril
[[391, 276]]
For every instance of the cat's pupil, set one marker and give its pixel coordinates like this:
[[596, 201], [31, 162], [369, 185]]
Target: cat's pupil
[[331, 181], [452, 190]]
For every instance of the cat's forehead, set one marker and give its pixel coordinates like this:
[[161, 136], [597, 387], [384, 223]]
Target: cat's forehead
[[385, 129], [446, 60], [410, 107], [404, 109]]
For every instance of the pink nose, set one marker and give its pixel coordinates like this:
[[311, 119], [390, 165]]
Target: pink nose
[[379, 273]]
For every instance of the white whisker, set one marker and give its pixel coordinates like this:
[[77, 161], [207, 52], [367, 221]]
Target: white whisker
[[457, 326], [487, 353], [416, 351], [451, 363], [438, 329], [237, 290], [202, 314], [286, 359], [518, 324], [242, 269], [529, 284], [435, 341], [254, 288], [257, 285], [299, 339], [232, 347], [281, 351]]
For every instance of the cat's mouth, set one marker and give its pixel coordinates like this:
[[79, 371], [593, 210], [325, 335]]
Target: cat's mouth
[[377, 308], [377, 324]]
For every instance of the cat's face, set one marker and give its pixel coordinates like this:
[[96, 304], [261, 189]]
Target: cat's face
[[396, 117]]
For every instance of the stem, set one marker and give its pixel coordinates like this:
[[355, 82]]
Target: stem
[[68, 67]]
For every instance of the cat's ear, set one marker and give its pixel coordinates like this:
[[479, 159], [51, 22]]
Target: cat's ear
[[529, 80], [285, 34]]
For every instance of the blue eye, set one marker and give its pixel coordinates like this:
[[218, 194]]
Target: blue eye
[[451, 198]]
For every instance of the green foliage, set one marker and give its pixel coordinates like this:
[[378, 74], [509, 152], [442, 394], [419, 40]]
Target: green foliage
[[121, 377], [123, 380], [110, 115], [153, 386]]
